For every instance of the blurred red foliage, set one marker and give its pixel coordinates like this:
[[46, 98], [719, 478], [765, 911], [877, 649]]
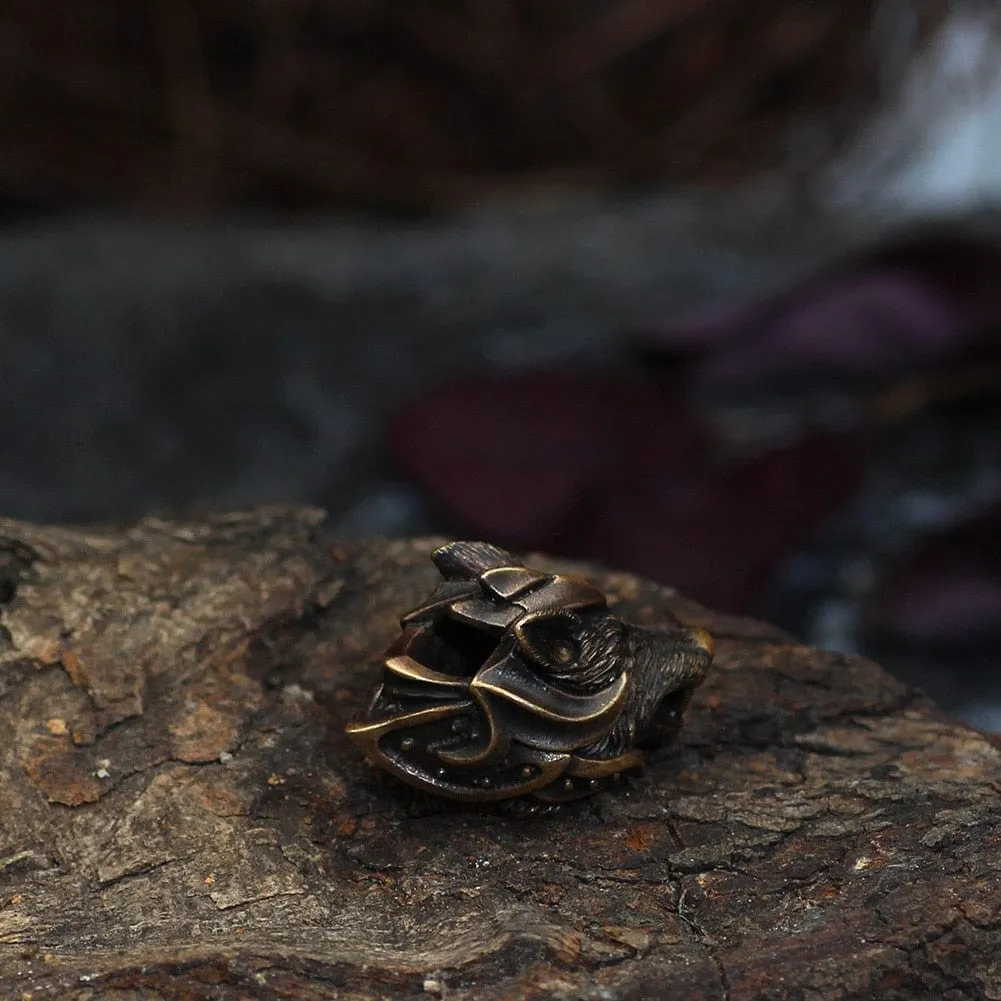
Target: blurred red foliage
[[625, 472], [613, 470]]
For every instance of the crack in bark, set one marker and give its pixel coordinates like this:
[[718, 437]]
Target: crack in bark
[[708, 943], [146, 870]]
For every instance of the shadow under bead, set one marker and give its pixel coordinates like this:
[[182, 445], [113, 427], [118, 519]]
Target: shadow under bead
[[508, 683]]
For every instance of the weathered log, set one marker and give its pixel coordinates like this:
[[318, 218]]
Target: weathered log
[[183, 817]]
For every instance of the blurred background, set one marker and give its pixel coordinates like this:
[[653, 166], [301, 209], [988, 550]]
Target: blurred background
[[708, 290]]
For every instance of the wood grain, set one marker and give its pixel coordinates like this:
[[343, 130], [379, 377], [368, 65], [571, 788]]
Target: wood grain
[[182, 816]]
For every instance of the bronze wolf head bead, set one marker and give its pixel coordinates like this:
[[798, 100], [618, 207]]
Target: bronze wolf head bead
[[510, 683]]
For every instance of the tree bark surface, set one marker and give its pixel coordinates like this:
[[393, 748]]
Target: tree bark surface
[[183, 817]]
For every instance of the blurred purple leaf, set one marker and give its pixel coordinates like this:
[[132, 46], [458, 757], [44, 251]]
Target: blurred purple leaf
[[948, 591], [518, 456], [717, 535], [611, 470], [902, 307]]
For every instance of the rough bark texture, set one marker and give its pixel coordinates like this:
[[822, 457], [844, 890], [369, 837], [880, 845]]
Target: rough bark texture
[[183, 817]]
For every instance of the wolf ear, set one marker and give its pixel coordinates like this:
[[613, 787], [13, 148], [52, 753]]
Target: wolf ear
[[551, 639], [467, 560]]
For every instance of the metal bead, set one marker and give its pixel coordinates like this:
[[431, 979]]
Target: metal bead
[[537, 662]]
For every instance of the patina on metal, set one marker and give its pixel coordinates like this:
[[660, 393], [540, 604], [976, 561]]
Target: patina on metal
[[512, 684]]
